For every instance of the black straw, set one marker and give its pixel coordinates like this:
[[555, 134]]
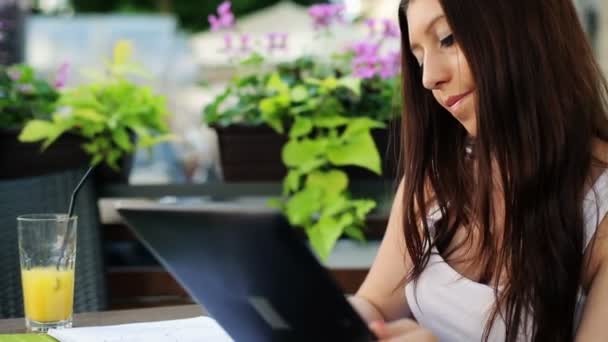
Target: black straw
[[71, 212], [75, 192]]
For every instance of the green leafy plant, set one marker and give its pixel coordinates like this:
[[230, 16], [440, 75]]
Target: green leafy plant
[[113, 114], [24, 96], [327, 109]]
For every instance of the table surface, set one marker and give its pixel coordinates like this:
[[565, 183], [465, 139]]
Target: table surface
[[17, 325]]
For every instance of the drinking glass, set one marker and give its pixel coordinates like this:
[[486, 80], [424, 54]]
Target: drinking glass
[[47, 251]]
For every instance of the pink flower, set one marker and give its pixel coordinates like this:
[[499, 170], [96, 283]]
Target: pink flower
[[224, 8], [245, 40], [365, 66], [227, 42], [214, 22], [371, 26], [224, 18], [283, 41], [365, 48], [323, 15], [277, 41], [62, 75], [390, 65], [391, 30]]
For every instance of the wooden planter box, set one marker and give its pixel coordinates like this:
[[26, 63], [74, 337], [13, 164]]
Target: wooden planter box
[[21, 160], [253, 153]]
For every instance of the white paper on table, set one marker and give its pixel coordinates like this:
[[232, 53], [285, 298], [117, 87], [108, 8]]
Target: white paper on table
[[182, 330]]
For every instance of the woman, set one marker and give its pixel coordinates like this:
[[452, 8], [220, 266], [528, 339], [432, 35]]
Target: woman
[[497, 232]]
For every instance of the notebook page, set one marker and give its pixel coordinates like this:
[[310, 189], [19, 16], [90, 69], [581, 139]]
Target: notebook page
[[198, 329]]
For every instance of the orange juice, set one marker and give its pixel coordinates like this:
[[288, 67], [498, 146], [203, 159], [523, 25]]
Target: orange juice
[[48, 293]]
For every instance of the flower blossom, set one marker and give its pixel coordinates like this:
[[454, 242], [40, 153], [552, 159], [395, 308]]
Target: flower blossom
[[391, 30], [224, 18], [277, 41], [323, 15], [62, 75]]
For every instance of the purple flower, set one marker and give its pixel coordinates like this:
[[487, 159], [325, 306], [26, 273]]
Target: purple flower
[[62, 75], [371, 26], [227, 42], [277, 41], [245, 41], [14, 74], [224, 8], [390, 65], [365, 49], [224, 18], [282, 41], [365, 66], [323, 15], [391, 30]]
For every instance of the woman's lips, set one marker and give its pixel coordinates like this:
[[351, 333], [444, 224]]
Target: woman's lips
[[453, 100]]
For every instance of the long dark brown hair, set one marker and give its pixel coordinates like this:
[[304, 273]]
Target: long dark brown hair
[[542, 99]]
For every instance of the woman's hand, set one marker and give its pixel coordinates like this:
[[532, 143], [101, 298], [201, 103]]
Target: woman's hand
[[403, 330]]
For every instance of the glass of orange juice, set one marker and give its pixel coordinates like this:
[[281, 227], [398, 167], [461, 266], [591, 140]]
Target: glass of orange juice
[[47, 251]]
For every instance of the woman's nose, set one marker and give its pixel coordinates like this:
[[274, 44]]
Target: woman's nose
[[434, 73]]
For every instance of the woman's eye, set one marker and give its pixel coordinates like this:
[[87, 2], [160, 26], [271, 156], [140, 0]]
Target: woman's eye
[[447, 41]]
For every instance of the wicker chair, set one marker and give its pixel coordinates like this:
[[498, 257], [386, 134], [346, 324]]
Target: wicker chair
[[50, 194]]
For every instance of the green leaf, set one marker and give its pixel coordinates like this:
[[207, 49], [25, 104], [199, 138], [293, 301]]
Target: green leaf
[[301, 207], [269, 108], [275, 203], [296, 152], [363, 207], [275, 83], [358, 125], [123, 51], [330, 121], [255, 59], [311, 165], [147, 141], [97, 159], [339, 204], [36, 130], [333, 182], [121, 138], [324, 234], [299, 93], [351, 83], [291, 182], [268, 105], [282, 100], [275, 123], [359, 150], [112, 159], [355, 233], [329, 84], [301, 126]]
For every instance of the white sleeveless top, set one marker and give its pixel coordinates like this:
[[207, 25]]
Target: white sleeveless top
[[455, 308]]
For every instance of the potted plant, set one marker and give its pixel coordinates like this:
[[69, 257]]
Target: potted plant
[[112, 115], [323, 113], [250, 138], [26, 96]]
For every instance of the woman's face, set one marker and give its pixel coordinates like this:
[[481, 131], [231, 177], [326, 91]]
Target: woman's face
[[445, 71]]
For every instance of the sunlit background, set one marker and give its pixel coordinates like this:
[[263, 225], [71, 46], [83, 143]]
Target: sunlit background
[[172, 40]]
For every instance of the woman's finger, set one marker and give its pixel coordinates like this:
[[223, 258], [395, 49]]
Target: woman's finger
[[401, 327], [387, 330], [419, 335]]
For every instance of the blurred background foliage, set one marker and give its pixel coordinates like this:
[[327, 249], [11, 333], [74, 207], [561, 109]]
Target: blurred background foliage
[[192, 15]]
